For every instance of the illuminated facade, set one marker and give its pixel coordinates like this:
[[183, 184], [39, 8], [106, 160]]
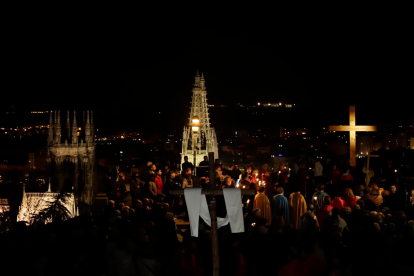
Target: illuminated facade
[[71, 155], [34, 203], [206, 137]]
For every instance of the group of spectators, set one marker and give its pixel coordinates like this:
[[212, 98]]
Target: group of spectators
[[329, 224]]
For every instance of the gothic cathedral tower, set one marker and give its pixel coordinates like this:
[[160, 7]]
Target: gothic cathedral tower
[[72, 155], [206, 139]]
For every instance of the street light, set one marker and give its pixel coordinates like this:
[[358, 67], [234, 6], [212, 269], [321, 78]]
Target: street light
[[195, 126]]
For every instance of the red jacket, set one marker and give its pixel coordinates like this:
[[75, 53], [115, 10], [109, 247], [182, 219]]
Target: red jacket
[[338, 203], [347, 177], [158, 182], [323, 213], [350, 202]]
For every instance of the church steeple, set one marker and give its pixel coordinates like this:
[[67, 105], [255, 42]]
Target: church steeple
[[202, 82], [74, 129], [58, 128], [51, 128], [197, 79], [88, 129], [68, 136], [206, 139]]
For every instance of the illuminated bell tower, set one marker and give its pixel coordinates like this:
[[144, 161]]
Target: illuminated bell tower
[[206, 138]]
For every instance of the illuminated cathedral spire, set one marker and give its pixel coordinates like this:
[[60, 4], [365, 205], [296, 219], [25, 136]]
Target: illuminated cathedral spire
[[206, 140]]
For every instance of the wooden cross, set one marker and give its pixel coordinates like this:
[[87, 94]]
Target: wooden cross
[[213, 192], [352, 128]]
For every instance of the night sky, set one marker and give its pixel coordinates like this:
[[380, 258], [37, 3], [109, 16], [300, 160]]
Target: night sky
[[148, 59]]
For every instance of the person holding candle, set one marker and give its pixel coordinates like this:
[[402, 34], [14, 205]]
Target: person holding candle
[[317, 197], [263, 174]]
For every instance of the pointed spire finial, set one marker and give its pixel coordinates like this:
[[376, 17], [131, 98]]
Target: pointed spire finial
[[87, 117], [67, 119], [202, 76], [197, 74], [49, 190]]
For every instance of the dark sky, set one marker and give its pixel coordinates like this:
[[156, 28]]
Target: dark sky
[[148, 57]]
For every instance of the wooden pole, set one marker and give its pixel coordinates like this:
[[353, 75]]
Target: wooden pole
[[213, 214], [352, 137]]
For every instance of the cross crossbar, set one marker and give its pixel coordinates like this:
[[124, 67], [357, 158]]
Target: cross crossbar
[[352, 128], [215, 191]]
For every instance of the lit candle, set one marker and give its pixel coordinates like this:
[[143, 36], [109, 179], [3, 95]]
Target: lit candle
[[244, 187], [315, 198], [253, 224]]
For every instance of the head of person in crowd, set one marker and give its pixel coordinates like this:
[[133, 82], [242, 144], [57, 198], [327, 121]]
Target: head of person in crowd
[[256, 213], [280, 191], [227, 182]]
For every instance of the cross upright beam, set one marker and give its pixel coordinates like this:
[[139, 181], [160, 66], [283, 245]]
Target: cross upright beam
[[352, 128]]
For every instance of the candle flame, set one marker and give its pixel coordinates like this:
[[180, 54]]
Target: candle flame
[[248, 200]]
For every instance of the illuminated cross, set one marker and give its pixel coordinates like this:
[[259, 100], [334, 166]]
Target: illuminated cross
[[352, 128]]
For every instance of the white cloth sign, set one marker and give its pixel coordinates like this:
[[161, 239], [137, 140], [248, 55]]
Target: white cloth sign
[[197, 207], [232, 198]]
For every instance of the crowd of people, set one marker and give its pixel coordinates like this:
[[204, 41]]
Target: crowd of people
[[305, 219]]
